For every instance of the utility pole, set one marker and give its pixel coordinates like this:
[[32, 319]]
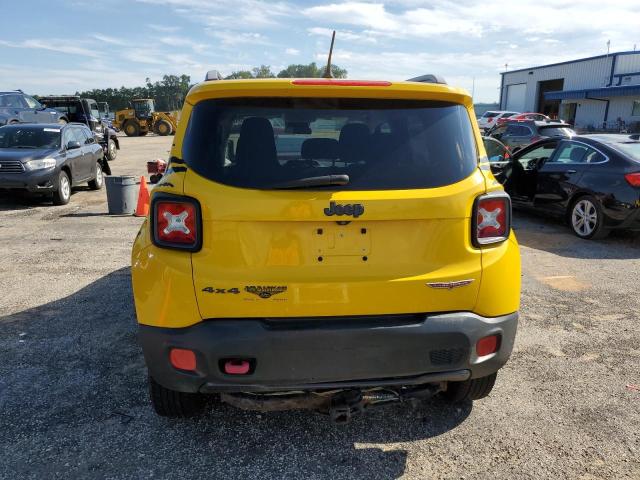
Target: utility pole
[[473, 87], [506, 66], [608, 46]]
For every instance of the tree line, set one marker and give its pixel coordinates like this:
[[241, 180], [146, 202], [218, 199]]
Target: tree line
[[170, 92]]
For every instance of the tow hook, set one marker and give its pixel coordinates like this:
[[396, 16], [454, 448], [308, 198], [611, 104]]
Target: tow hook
[[345, 405]]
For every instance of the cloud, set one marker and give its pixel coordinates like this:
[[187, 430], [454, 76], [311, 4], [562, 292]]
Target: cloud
[[108, 39], [376, 19], [292, 51], [179, 41], [53, 45], [163, 28], [343, 35], [231, 38], [232, 14]]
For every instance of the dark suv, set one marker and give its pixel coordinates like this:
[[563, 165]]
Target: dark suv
[[17, 107], [50, 159], [86, 110], [517, 134]]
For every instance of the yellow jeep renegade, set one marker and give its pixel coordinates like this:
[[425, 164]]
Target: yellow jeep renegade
[[325, 244]]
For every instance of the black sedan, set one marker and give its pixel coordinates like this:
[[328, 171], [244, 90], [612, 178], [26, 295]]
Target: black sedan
[[593, 181], [50, 158]]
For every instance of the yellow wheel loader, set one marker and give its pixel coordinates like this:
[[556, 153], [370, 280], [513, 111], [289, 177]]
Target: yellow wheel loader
[[142, 118]]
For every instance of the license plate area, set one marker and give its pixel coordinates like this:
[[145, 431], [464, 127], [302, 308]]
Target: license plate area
[[342, 240]]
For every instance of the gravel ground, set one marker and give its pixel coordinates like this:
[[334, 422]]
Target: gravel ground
[[73, 400]]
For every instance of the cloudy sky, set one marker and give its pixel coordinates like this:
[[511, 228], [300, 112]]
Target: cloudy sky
[[60, 46]]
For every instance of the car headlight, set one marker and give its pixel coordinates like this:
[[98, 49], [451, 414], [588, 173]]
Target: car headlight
[[40, 164]]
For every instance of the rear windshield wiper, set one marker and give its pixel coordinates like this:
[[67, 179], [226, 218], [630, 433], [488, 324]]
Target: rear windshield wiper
[[323, 181]]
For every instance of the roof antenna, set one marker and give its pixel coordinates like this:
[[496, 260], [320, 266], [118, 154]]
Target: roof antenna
[[327, 71]]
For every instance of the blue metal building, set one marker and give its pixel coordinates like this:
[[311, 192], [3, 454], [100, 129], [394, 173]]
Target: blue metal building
[[600, 92]]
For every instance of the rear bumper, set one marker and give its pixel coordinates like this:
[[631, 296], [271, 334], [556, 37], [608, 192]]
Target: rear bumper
[[320, 353]]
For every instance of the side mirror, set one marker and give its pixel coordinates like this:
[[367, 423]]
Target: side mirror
[[73, 144]]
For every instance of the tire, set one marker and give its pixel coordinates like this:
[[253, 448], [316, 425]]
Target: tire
[[162, 128], [132, 129], [475, 389], [112, 150], [169, 403], [586, 218], [142, 134], [98, 178], [62, 194]]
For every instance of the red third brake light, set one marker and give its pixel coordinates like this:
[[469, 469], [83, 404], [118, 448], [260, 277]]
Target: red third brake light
[[491, 219], [176, 223], [341, 83], [633, 179]]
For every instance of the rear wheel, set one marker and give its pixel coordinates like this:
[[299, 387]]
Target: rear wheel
[[169, 403], [473, 389], [132, 129], [587, 219], [62, 195], [98, 178], [163, 128]]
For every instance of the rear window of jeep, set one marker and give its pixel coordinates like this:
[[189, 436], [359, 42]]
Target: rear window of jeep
[[371, 144]]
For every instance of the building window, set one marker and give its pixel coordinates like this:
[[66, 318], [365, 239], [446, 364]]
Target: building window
[[636, 109]]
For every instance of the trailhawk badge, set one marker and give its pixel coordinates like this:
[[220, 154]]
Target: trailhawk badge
[[265, 292]]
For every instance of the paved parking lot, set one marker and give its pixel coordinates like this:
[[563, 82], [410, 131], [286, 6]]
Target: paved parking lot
[[73, 402]]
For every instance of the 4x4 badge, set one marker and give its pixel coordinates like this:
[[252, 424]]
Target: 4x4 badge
[[265, 292], [354, 210]]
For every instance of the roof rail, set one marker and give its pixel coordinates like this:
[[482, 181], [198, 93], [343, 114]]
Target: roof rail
[[428, 78], [212, 75]]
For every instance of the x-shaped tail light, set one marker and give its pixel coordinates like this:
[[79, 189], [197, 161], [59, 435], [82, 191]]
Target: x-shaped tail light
[[492, 219], [176, 222]]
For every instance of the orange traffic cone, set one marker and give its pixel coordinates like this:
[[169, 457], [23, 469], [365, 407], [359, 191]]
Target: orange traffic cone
[[142, 209]]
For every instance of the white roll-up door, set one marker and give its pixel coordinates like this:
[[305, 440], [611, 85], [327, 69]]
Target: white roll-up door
[[516, 97]]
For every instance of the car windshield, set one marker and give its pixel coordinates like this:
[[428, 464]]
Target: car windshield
[[556, 132], [29, 137], [490, 114], [632, 149], [357, 144]]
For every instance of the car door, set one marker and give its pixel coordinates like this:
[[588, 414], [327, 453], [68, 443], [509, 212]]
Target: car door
[[17, 108], [559, 176], [522, 181], [499, 158], [74, 156], [88, 157], [36, 112]]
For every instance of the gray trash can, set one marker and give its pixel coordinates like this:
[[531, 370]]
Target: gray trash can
[[122, 194]]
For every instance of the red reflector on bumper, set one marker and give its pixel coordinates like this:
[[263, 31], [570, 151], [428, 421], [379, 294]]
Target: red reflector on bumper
[[488, 345], [182, 359], [237, 367]]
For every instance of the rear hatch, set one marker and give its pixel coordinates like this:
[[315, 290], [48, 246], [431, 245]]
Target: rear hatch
[[333, 206]]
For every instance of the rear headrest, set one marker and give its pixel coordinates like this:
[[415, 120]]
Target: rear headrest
[[256, 145], [577, 153], [319, 148], [354, 142]]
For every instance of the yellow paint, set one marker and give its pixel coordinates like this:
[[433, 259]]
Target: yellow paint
[[270, 238]]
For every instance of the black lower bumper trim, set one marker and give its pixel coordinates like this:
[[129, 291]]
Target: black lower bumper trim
[[454, 376], [328, 353]]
